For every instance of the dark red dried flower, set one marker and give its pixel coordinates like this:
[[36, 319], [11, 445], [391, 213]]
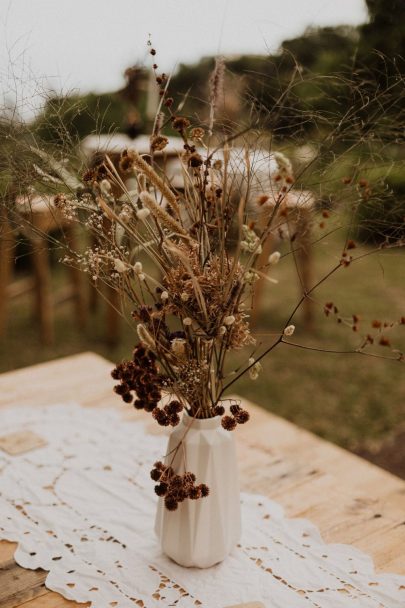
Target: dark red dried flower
[[155, 474], [219, 410], [235, 408], [174, 407], [160, 416], [204, 489], [180, 123], [194, 493], [174, 419], [171, 503], [161, 489], [228, 423], [242, 417], [189, 477], [195, 160]]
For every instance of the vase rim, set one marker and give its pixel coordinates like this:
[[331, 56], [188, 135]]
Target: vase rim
[[200, 423]]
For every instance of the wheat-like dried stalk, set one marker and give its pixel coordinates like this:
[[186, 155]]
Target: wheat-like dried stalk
[[156, 180]]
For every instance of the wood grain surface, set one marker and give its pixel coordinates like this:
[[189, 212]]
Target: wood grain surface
[[349, 499]]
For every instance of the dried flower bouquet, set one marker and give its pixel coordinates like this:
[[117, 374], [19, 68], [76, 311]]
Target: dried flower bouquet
[[192, 296]]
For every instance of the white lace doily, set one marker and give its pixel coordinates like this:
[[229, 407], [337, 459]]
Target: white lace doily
[[83, 508]]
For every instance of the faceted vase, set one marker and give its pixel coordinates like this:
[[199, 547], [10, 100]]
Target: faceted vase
[[202, 532]]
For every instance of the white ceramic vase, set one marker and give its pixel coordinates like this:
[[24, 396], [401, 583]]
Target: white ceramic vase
[[202, 532]]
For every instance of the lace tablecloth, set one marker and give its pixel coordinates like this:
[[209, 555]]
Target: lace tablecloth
[[83, 507]]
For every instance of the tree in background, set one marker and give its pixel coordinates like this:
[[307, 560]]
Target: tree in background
[[382, 42], [71, 118]]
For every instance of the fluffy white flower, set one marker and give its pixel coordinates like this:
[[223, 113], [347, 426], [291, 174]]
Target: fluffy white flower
[[142, 214], [138, 267], [187, 321], [105, 186], [274, 258], [255, 369], [250, 277], [229, 320], [119, 265], [164, 295], [185, 296], [289, 330], [222, 330], [178, 347]]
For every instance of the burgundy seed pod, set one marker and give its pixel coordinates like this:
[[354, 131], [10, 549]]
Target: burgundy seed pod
[[170, 503], [242, 417], [155, 474], [161, 489], [127, 397], [228, 423], [204, 489]]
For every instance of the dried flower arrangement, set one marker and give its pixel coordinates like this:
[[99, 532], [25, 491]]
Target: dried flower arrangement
[[187, 258], [206, 246]]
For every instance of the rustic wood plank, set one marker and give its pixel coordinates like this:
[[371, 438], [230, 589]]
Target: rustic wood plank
[[51, 600], [349, 499], [19, 584]]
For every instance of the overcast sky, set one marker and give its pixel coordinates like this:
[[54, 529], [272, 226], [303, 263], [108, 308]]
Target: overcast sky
[[86, 44]]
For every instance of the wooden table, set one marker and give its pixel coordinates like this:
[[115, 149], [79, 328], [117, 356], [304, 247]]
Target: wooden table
[[349, 499]]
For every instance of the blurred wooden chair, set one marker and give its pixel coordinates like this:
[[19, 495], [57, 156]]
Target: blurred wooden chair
[[38, 218]]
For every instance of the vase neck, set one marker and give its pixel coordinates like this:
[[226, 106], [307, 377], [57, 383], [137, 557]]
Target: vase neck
[[200, 423]]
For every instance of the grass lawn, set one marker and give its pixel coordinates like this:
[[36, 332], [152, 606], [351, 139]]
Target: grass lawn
[[353, 400]]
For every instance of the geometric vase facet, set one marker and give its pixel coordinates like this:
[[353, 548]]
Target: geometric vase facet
[[202, 532]]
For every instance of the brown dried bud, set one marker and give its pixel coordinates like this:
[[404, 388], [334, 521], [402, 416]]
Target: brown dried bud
[[195, 160], [155, 474], [242, 417], [180, 123], [262, 200], [161, 489], [126, 161], [194, 493], [204, 490], [159, 142], [171, 503], [197, 133], [89, 175], [228, 423]]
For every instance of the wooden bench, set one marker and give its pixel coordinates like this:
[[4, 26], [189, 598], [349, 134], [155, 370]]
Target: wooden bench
[[349, 499]]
